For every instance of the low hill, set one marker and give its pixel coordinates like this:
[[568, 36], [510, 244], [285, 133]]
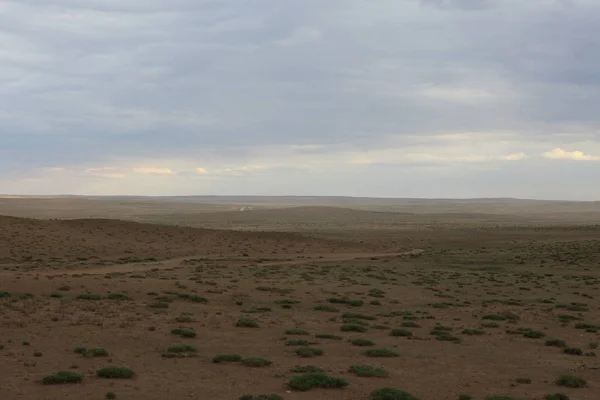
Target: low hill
[[83, 241]]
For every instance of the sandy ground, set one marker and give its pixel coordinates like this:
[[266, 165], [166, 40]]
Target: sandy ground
[[63, 282]]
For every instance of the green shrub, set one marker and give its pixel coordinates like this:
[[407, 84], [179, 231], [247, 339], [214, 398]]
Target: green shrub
[[181, 348], [401, 332], [362, 342], [499, 398], [556, 343], [380, 353], [62, 377], [226, 358], [159, 304], [353, 328], [326, 309], [575, 351], [391, 394], [410, 324], [256, 362], [523, 380], [297, 343], [110, 396], [296, 332], [99, 352], [352, 303], [367, 371], [570, 381], [491, 325], [89, 297], [115, 373], [316, 380], [246, 323], [495, 317], [358, 316], [306, 369], [473, 332], [309, 352], [184, 333], [556, 396], [533, 334], [118, 296], [328, 336], [261, 397]]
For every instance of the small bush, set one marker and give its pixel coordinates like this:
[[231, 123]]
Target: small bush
[[523, 380], [159, 304], [401, 332], [246, 323], [118, 296], [358, 316], [328, 336], [297, 343], [110, 396], [296, 332], [575, 351], [309, 352], [317, 380], [306, 369], [115, 373], [391, 394], [353, 328], [570, 381], [556, 343], [261, 397], [62, 377], [491, 325], [226, 358], [181, 348], [410, 324], [367, 371], [556, 396], [380, 353], [96, 353], [500, 398], [362, 342], [89, 297], [473, 332], [326, 309], [534, 334], [256, 362], [184, 333]]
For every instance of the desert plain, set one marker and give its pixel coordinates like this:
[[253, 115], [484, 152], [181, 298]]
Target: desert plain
[[298, 299]]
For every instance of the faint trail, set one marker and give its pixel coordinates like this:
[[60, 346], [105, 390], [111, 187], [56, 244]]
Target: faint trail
[[176, 263]]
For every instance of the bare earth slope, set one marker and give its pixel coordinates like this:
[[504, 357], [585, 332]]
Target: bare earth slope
[[43, 242]]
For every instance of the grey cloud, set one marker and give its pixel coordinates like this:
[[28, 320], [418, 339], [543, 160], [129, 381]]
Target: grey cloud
[[96, 81]]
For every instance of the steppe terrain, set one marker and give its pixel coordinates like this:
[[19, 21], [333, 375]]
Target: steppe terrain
[[191, 298]]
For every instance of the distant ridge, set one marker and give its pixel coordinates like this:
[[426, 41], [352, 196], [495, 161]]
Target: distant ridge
[[317, 200]]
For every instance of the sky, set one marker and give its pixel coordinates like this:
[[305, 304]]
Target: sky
[[386, 98]]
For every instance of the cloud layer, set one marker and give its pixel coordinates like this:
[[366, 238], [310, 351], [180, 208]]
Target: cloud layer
[[349, 97]]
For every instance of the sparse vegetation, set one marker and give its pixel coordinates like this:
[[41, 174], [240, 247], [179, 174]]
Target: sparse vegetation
[[115, 373], [316, 380], [62, 377]]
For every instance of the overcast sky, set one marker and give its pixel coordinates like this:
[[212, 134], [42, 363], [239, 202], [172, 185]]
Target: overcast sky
[[394, 98]]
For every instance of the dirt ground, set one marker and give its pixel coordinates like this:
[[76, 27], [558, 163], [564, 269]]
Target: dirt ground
[[465, 304]]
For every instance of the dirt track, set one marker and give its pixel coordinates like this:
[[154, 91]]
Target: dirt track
[[176, 262]]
